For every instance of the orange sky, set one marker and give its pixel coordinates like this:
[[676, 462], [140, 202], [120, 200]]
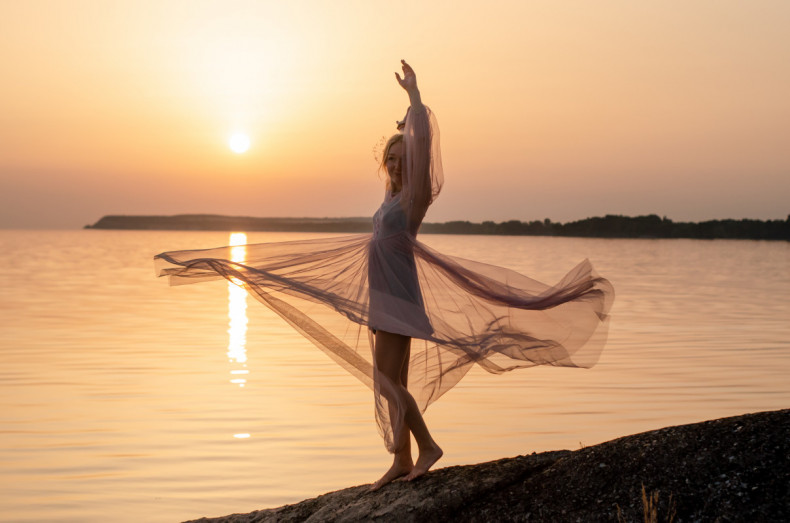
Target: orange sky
[[548, 109]]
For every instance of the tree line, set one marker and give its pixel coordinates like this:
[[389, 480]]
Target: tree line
[[617, 226], [609, 226]]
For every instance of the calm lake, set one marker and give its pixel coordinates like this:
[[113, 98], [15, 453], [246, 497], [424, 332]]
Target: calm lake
[[124, 399]]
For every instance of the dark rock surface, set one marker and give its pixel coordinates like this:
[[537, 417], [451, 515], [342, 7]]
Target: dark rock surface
[[730, 469]]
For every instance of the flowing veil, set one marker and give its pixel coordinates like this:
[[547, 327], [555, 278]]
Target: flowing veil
[[458, 312], [480, 314]]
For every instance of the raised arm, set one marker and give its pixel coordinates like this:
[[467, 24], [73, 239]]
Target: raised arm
[[422, 173]]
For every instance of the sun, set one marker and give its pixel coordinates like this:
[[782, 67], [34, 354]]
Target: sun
[[239, 143]]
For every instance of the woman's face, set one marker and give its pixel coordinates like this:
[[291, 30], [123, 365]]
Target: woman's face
[[393, 163]]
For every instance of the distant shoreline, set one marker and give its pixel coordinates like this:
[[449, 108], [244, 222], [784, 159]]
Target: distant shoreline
[[609, 226]]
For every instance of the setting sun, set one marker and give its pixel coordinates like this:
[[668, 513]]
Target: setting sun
[[239, 143]]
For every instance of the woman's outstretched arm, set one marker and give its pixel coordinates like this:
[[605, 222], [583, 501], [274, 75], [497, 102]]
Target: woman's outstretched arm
[[422, 176]]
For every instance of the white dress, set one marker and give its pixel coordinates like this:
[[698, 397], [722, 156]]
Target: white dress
[[396, 303]]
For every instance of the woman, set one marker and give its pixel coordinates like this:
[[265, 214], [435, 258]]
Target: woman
[[425, 318], [396, 305]]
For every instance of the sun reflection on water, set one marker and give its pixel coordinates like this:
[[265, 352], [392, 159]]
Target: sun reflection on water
[[237, 313]]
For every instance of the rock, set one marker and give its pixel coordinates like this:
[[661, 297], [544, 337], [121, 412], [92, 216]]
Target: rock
[[731, 469]]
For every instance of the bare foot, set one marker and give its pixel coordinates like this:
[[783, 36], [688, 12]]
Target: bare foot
[[425, 461], [396, 471]]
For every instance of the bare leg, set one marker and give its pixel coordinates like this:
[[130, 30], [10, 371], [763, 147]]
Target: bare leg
[[402, 463], [392, 360], [404, 380]]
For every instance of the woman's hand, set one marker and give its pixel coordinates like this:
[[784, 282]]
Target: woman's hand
[[409, 80], [409, 83]]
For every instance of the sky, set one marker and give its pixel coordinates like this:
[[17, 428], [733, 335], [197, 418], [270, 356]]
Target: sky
[[548, 109]]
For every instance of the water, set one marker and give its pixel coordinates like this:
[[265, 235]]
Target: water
[[124, 399]]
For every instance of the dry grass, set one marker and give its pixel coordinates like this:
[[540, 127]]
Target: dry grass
[[650, 508]]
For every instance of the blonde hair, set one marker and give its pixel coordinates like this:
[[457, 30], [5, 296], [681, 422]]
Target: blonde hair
[[395, 138]]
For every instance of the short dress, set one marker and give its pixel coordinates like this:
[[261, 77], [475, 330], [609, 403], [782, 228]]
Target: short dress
[[396, 303], [336, 291]]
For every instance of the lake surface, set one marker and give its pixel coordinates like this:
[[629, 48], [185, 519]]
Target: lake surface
[[124, 399]]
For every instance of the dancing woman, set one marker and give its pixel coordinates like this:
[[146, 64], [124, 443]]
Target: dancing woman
[[408, 321], [394, 284]]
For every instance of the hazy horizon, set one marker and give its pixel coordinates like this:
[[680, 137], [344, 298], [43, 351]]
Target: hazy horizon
[[562, 111], [93, 222]]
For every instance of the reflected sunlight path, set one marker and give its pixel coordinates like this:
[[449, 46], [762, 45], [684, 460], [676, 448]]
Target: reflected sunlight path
[[237, 316]]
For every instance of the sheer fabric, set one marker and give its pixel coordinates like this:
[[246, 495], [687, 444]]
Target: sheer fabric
[[459, 313], [422, 171]]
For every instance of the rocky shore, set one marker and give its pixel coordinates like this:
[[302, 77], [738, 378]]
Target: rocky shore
[[730, 469]]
